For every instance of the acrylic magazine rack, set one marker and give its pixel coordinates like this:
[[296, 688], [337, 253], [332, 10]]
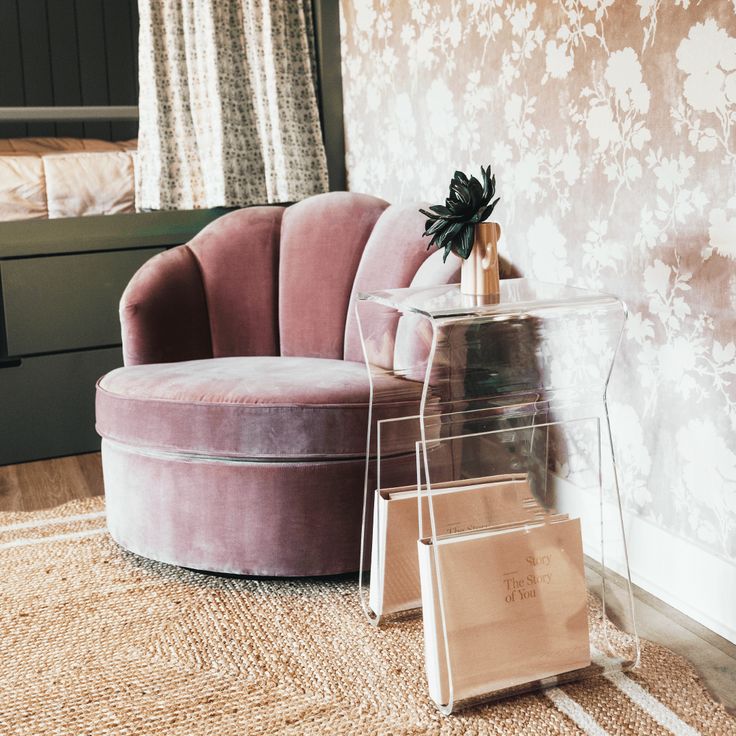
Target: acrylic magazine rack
[[488, 438], [515, 595], [393, 591]]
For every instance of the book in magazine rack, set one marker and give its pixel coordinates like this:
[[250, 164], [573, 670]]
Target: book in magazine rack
[[491, 499]]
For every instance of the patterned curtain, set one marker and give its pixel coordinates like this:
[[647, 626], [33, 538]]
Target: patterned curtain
[[228, 106]]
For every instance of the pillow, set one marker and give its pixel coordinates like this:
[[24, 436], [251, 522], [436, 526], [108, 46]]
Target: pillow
[[89, 183]]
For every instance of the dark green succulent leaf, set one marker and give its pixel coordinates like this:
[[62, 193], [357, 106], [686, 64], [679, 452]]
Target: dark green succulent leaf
[[442, 214], [451, 226], [440, 234], [460, 194], [440, 210], [458, 189], [466, 242], [489, 184], [436, 226], [484, 174], [487, 211], [431, 218], [449, 234], [483, 214], [432, 226], [436, 237], [476, 192]]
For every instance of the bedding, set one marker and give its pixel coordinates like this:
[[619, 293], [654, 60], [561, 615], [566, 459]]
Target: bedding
[[65, 177]]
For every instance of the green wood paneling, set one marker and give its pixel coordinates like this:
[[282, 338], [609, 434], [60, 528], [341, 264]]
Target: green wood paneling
[[36, 60], [66, 302], [68, 52], [93, 62], [122, 79], [65, 72], [48, 404], [11, 72]]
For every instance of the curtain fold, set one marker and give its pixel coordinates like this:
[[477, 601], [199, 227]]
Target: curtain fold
[[228, 104]]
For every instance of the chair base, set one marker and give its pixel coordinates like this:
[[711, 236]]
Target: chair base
[[240, 517]]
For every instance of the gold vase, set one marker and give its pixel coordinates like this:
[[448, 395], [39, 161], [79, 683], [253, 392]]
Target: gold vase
[[479, 272]]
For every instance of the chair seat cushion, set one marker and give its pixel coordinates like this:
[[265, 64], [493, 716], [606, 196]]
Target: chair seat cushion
[[247, 407]]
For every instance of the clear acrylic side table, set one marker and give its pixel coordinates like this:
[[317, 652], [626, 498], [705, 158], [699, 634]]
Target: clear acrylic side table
[[487, 397]]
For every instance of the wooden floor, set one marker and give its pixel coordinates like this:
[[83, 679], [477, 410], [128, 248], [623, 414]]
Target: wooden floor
[[48, 483]]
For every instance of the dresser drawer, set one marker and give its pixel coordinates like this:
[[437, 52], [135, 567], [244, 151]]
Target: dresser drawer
[[65, 302], [48, 404]]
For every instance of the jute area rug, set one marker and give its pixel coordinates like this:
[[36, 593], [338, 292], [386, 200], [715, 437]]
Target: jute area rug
[[96, 641]]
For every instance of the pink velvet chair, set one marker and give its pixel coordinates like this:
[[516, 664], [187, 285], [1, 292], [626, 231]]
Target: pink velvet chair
[[234, 436]]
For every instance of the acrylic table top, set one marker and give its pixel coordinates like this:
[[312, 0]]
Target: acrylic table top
[[518, 296]]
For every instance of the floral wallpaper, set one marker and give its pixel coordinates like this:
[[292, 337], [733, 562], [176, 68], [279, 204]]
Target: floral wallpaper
[[611, 125]]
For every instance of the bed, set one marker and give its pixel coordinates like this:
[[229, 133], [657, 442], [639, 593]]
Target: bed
[[49, 178], [70, 239]]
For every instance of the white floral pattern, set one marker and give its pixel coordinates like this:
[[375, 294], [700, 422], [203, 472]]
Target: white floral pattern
[[708, 57], [612, 128]]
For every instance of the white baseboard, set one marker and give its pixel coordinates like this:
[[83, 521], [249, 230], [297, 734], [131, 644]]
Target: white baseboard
[[696, 582]]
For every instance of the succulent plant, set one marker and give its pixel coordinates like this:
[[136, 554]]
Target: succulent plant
[[451, 225]]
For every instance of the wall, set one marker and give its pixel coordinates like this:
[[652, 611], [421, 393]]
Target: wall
[[69, 52], [611, 125]]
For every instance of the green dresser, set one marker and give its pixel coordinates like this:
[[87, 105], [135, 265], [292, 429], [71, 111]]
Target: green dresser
[[60, 285]]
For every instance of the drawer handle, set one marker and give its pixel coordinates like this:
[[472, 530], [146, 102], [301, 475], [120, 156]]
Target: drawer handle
[[10, 363]]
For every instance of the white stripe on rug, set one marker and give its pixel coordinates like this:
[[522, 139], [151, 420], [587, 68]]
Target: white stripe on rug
[[51, 522], [53, 538], [653, 707], [573, 710], [657, 710]]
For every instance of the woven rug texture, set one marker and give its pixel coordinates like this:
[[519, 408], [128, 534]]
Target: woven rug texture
[[97, 641]]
